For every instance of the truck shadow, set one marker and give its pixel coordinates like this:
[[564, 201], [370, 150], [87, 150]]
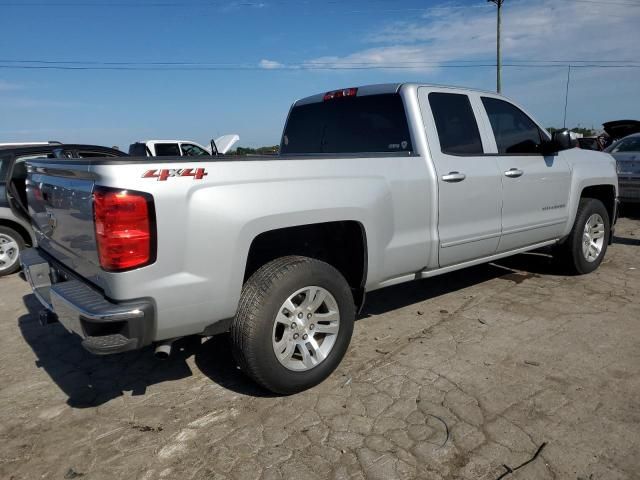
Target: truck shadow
[[90, 380]]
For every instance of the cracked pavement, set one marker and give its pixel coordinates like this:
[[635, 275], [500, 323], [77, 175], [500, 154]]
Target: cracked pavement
[[446, 378]]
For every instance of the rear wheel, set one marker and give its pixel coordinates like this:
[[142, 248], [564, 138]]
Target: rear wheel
[[294, 324], [587, 243], [11, 244]]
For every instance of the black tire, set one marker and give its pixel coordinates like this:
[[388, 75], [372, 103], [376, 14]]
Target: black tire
[[17, 238], [570, 252], [262, 297]]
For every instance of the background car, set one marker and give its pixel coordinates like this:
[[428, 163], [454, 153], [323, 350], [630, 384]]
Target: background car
[[627, 155], [15, 233]]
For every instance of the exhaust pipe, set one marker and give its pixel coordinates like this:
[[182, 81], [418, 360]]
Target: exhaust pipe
[[163, 349]]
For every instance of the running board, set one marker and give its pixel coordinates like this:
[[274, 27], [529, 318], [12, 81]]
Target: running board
[[479, 261]]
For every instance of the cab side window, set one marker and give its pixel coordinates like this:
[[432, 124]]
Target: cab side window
[[456, 124], [514, 131], [190, 150], [167, 150]]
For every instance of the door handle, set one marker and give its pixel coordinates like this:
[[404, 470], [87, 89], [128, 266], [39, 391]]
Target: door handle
[[454, 177], [513, 173]]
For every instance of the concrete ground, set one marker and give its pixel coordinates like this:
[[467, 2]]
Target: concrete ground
[[448, 378]]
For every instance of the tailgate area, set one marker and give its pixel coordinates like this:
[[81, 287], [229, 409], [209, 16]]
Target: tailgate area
[[105, 327]]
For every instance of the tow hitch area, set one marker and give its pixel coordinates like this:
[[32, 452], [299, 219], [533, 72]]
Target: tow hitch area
[[47, 317]]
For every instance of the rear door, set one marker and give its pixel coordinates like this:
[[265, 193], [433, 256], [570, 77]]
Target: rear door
[[469, 183], [535, 186]]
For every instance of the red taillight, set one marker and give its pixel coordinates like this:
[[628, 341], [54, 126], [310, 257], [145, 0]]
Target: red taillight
[[347, 92], [123, 221]]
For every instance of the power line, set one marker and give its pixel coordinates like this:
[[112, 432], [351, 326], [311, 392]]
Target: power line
[[240, 4], [293, 67], [514, 62]]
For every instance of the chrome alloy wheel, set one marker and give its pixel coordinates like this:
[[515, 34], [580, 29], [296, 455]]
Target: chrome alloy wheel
[[9, 252], [593, 238], [306, 328]]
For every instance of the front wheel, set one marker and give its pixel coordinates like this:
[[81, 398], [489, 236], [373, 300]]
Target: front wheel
[[587, 243], [11, 244], [294, 324]]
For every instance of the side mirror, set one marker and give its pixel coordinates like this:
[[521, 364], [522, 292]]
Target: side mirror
[[561, 140]]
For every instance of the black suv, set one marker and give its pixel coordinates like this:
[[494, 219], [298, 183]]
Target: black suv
[[15, 233]]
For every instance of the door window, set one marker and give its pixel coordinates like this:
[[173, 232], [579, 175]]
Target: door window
[[167, 150], [514, 131], [456, 124], [191, 150]]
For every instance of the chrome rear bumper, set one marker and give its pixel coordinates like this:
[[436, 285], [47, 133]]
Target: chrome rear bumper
[[105, 326]]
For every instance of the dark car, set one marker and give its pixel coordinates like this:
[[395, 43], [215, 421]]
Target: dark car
[[15, 233], [627, 155]]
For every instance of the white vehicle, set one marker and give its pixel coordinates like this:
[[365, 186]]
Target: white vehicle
[[182, 148]]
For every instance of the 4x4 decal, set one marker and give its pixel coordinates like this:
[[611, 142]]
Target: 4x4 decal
[[165, 173]]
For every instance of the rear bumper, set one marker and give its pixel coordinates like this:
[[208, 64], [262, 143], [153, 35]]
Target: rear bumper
[[104, 326]]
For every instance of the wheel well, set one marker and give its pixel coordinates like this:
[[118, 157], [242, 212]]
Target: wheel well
[[341, 244], [18, 228], [606, 194]]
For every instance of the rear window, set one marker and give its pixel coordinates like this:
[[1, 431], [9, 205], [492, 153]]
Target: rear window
[[368, 124], [167, 150]]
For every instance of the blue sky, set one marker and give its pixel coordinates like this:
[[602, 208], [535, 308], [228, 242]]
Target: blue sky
[[276, 47]]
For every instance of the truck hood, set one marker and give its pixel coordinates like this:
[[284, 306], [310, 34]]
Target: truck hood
[[225, 142]]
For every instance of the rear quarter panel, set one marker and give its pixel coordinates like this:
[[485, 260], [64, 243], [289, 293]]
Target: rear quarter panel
[[205, 227]]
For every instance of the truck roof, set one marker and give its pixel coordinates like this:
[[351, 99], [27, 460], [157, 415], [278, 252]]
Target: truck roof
[[382, 88]]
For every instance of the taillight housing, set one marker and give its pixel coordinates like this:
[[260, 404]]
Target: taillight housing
[[125, 228], [347, 92]]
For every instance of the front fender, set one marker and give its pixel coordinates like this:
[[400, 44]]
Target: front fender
[[588, 169]]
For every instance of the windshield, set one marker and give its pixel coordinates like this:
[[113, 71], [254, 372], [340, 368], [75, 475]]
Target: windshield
[[372, 124], [631, 144]]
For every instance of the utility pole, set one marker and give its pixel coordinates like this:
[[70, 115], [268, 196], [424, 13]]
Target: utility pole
[[498, 54], [566, 97]]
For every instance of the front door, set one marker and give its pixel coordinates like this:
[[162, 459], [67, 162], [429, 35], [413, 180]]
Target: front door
[[469, 182], [535, 186]]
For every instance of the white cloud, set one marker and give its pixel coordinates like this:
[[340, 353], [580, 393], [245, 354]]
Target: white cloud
[[20, 103], [270, 64], [8, 86], [531, 30]]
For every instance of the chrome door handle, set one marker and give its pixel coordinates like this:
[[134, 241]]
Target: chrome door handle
[[454, 177], [513, 173]]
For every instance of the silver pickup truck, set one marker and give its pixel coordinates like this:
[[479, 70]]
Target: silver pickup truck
[[374, 186]]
